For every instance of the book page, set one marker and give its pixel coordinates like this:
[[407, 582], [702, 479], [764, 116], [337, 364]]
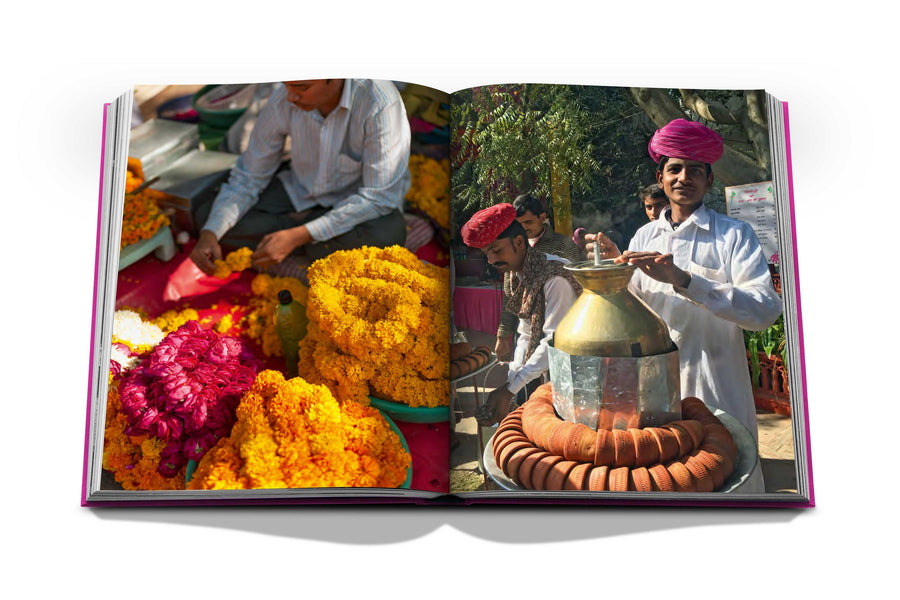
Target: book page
[[279, 300], [591, 408]]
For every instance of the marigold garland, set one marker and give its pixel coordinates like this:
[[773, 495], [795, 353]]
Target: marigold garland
[[378, 325], [141, 217], [292, 434], [429, 189]]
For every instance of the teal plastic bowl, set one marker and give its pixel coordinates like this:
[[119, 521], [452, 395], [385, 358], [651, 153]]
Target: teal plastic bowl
[[224, 118], [409, 414]]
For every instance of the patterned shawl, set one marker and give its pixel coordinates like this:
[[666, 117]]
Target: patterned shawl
[[526, 299]]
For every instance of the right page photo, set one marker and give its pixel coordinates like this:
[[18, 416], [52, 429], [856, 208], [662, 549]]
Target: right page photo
[[617, 316]]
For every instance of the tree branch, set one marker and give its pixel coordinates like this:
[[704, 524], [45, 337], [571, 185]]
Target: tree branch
[[755, 122], [734, 168], [657, 105], [709, 110]]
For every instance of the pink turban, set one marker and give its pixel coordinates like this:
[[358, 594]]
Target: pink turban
[[485, 225], [688, 140]]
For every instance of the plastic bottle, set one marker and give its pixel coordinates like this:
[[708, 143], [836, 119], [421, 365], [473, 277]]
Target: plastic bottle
[[290, 325]]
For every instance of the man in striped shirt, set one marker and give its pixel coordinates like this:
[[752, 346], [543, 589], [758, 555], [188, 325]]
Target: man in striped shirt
[[343, 186], [532, 215]]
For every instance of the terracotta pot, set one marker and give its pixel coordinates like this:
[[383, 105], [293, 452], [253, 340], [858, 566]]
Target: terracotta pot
[[772, 390]]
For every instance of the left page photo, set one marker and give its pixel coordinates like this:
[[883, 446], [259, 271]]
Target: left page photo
[[272, 311]]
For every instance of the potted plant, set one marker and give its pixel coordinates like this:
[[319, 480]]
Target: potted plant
[[768, 369]]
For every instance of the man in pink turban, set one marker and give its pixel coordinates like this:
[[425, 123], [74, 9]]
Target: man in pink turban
[[705, 274], [541, 292]]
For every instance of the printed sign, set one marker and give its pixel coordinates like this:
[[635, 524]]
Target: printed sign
[[755, 204]]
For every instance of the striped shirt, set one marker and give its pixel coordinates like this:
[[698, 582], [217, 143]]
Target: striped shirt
[[354, 161]]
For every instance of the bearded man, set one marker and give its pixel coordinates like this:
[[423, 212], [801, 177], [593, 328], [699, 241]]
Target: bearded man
[[541, 293]]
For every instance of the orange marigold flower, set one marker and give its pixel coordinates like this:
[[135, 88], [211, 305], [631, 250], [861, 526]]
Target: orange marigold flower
[[141, 217], [291, 433]]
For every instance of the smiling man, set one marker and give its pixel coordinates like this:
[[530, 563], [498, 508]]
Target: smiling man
[[343, 186], [541, 292], [705, 274]]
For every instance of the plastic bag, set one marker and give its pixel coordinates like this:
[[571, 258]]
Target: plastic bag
[[188, 280]]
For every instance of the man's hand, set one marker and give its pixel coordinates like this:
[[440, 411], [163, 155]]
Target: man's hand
[[599, 241], [503, 348], [658, 266], [495, 408], [276, 246], [206, 250]]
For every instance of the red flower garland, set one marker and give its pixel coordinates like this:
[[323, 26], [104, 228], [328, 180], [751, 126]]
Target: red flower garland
[[185, 392]]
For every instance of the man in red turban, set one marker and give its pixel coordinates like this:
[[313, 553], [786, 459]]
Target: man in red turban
[[541, 293], [705, 275]]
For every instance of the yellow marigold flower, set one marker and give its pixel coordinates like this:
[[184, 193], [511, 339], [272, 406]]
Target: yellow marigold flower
[[380, 311], [235, 262], [222, 270], [225, 324], [429, 189], [239, 260], [173, 319]]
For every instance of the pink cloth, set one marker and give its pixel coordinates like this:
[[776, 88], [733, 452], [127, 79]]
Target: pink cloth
[[477, 308], [418, 232], [688, 140], [429, 445]]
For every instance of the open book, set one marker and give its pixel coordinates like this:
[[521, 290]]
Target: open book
[[199, 395]]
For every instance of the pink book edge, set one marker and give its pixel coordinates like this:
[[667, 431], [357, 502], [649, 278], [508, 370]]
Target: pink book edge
[[790, 178], [87, 424]]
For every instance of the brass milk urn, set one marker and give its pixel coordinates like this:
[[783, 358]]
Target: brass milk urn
[[613, 364]]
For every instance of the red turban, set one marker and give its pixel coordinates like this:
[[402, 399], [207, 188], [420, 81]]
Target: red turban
[[485, 225], [688, 140]]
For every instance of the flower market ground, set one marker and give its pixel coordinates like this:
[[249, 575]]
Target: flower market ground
[[776, 444]]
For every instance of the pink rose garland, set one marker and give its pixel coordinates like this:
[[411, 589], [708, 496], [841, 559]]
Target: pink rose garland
[[185, 392]]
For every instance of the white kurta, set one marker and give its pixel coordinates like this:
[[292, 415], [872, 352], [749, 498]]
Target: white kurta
[[730, 290], [559, 298]]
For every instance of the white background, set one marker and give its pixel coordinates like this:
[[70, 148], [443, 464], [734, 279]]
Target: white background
[[837, 71]]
